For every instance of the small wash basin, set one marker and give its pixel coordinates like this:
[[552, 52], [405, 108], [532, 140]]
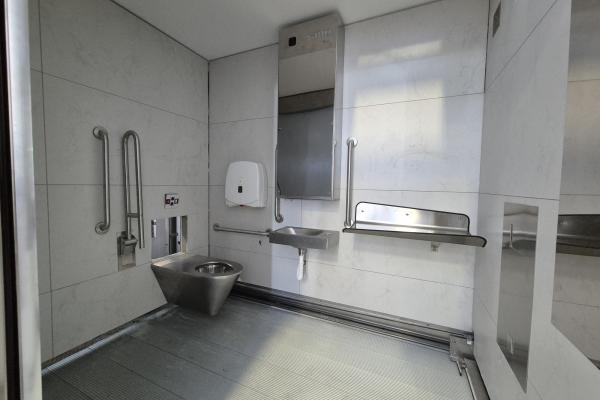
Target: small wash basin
[[305, 238]]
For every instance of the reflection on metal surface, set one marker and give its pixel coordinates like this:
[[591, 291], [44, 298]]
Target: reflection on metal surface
[[305, 238], [576, 297], [309, 127], [197, 282], [169, 236], [413, 223], [579, 234], [516, 286]]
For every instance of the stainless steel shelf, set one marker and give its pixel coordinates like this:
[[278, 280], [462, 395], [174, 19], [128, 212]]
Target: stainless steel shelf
[[413, 223]]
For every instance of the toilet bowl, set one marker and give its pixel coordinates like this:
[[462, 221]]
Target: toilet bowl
[[197, 282]]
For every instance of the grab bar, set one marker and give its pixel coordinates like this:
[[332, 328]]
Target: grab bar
[[220, 228], [129, 215], [100, 133], [352, 143], [277, 204]]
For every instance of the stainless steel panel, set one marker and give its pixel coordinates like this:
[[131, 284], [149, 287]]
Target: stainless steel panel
[[21, 141], [196, 282], [578, 234], [517, 269], [305, 238], [576, 297], [413, 223], [310, 90]]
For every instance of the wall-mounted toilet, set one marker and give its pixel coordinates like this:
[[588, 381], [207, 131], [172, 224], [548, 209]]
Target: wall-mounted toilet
[[198, 282]]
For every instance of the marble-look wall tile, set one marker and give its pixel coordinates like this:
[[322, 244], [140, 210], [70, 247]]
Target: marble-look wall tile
[[35, 50], [247, 140], [262, 269], [100, 44], [436, 50], [410, 298], [43, 243], [584, 57], [37, 127], [174, 148], [86, 310], [46, 326], [244, 86], [518, 20], [77, 252], [430, 145], [524, 115]]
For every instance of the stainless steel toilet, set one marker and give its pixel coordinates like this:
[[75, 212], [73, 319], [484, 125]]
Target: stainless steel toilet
[[198, 282]]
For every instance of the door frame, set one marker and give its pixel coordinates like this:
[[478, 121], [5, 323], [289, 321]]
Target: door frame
[[17, 211]]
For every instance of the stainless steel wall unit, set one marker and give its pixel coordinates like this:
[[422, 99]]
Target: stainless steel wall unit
[[309, 122], [516, 286]]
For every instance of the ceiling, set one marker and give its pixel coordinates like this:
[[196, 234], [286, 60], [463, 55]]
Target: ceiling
[[216, 28]]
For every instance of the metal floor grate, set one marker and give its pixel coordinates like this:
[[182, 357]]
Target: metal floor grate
[[254, 351]]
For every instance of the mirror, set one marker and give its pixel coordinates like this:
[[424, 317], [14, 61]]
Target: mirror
[[309, 128], [168, 236], [576, 303], [517, 266]]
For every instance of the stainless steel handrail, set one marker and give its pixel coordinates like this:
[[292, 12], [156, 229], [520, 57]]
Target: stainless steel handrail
[[102, 134], [277, 204], [220, 228], [129, 215], [351, 143]]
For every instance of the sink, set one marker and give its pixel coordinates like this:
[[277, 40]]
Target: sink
[[305, 238]]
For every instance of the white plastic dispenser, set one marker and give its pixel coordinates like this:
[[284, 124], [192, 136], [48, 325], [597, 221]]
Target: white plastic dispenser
[[246, 185]]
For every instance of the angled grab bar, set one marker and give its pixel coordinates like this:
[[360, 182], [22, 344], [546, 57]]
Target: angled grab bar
[[101, 133], [351, 143], [129, 239]]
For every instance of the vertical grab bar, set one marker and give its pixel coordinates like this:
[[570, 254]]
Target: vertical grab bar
[[129, 215], [277, 204], [351, 143], [100, 133]]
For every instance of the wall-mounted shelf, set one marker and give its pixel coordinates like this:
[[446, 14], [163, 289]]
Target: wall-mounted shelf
[[579, 234], [413, 223]]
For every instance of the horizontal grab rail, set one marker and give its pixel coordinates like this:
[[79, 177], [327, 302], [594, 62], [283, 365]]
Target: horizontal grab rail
[[220, 228]]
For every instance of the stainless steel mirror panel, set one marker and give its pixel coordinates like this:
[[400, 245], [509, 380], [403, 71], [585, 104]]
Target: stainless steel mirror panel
[[305, 158], [169, 236], [576, 297], [516, 286], [310, 90]]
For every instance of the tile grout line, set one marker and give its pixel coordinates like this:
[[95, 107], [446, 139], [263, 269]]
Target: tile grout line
[[527, 37], [106, 92], [349, 108], [47, 205]]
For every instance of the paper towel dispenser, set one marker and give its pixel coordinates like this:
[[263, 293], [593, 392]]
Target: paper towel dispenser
[[309, 116], [245, 184]]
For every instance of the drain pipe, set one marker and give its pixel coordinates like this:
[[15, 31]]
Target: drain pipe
[[301, 264]]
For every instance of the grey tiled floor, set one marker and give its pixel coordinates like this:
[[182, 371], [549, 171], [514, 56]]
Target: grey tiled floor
[[253, 351]]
